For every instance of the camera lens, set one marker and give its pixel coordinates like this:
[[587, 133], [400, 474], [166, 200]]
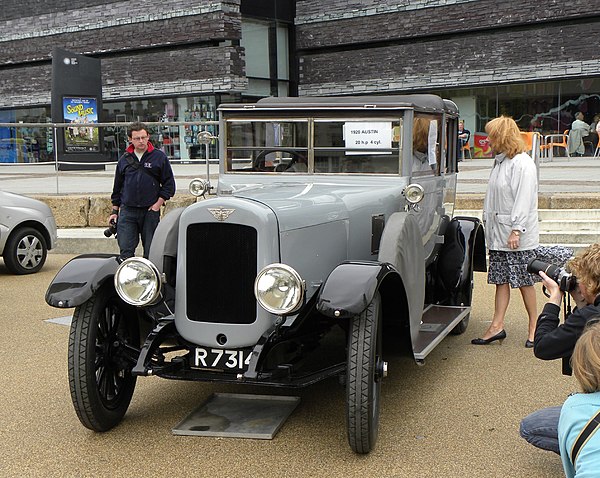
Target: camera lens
[[551, 270]]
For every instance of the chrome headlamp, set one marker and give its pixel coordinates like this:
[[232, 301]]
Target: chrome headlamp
[[138, 282], [279, 289], [198, 187], [414, 193]]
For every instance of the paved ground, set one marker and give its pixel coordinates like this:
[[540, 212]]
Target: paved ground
[[455, 417]]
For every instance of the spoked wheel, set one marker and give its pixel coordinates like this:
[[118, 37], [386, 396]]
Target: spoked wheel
[[102, 351], [365, 371], [25, 251]]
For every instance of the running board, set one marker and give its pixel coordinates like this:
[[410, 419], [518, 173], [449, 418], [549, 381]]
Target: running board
[[437, 322]]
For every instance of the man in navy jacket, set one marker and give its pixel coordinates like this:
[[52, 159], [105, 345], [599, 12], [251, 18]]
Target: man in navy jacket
[[554, 340], [144, 181]]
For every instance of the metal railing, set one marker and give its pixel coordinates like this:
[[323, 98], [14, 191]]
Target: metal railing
[[31, 147]]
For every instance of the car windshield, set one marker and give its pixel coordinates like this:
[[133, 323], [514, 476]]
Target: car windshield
[[314, 145]]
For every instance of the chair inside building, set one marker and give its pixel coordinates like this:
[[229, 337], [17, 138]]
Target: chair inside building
[[528, 138], [466, 149], [552, 141]]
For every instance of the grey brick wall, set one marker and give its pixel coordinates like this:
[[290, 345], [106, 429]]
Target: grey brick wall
[[450, 18], [23, 8], [311, 11], [162, 48], [212, 27], [361, 47], [154, 73], [184, 71]]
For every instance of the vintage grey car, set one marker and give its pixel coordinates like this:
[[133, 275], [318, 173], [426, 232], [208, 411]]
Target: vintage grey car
[[333, 227], [27, 232]]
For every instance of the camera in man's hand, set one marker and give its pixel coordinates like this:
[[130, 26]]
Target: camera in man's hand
[[566, 281], [111, 229]]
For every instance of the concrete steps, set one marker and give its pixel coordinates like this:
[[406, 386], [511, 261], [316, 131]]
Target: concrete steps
[[574, 228]]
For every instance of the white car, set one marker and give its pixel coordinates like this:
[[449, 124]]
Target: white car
[[27, 232]]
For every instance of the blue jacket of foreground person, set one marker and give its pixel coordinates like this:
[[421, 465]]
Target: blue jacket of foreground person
[[575, 414], [134, 187]]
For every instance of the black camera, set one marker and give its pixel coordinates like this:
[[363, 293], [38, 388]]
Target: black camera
[[566, 281], [111, 230]]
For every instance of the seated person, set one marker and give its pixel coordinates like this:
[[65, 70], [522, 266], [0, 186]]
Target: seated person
[[579, 130], [554, 340], [463, 138], [581, 457]]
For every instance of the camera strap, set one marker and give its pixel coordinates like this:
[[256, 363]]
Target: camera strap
[[136, 165], [584, 435]]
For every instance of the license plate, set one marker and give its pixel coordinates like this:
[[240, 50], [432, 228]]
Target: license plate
[[234, 360]]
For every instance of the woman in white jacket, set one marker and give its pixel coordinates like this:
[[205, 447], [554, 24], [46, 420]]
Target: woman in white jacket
[[510, 215]]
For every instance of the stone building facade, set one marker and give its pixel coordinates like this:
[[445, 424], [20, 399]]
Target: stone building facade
[[364, 46], [147, 48], [534, 60]]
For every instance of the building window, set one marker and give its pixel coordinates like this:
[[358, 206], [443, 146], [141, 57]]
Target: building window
[[266, 44]]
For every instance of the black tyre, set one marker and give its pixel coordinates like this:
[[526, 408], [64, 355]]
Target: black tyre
[[461, 327], [465, 298], [100, 360], [25, 251], [365, 372]]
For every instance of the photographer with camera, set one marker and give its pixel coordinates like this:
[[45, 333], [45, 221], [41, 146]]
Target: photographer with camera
[[143, 182], [554, 340]]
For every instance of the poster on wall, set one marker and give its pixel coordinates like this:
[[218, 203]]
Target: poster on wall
[[482, 147], [80, 113]]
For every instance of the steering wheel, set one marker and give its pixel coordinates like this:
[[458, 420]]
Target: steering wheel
[[260, 160]]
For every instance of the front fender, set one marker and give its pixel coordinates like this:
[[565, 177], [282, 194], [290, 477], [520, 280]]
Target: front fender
[[350, 288], [80, 278], [402, 246]]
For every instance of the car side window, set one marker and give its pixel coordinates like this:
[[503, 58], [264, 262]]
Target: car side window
[[426, 155]]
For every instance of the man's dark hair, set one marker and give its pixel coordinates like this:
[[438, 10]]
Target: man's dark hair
[[136, 126]]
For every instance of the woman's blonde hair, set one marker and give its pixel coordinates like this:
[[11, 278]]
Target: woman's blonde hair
[[505, 136], [586, 267], [420, 134], [586, 358]]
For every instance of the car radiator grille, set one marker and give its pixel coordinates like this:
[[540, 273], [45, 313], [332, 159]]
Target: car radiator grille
[[220, 273]]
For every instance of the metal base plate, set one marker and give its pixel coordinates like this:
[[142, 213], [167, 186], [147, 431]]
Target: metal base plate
[[238, 416]]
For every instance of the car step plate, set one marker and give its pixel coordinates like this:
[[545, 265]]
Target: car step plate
[[238, 416]]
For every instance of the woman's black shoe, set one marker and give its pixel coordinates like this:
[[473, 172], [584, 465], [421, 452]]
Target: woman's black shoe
[[500, 336], [529, 344]]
